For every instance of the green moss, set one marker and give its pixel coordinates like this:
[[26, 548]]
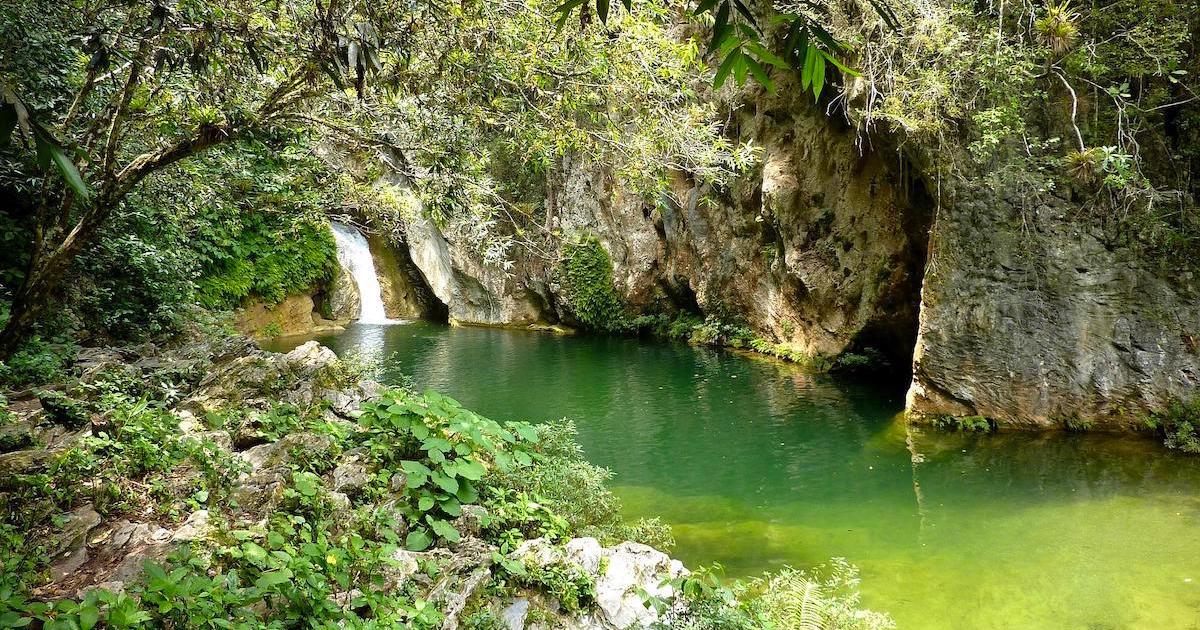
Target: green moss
[[587, 275]]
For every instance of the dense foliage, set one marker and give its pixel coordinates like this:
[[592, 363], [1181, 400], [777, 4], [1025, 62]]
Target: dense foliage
[[1179, 424], [587, 276]]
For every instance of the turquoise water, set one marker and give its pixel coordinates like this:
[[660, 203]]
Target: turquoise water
[[758, 465]]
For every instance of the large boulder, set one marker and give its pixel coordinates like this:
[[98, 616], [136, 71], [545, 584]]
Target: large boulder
[[1034, 320]]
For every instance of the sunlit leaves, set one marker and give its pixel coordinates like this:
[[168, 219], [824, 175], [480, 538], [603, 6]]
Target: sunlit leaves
[[739, 43]]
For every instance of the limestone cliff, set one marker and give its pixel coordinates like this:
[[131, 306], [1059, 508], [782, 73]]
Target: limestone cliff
[[1031, 318], [1028, 315], [821, 248]]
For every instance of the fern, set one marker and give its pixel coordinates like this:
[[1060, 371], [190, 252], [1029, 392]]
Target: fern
[[824, 599]]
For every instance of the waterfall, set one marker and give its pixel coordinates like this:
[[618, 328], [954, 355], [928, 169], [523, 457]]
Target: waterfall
[[355, 256]]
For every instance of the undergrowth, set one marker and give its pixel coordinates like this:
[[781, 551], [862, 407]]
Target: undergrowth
[[712, 331]]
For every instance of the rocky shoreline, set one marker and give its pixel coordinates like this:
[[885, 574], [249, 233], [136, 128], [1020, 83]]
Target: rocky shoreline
[[89, 550]]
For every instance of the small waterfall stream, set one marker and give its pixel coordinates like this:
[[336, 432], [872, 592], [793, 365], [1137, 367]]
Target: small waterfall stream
[[354, 255]]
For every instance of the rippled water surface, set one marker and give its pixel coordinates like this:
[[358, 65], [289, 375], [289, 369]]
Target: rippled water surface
[[758, 465]]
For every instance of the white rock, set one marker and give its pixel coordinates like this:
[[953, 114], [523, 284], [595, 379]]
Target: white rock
[[514, 615], [628, 568], [194, 528]]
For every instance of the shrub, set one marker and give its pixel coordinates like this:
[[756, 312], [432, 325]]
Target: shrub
[[568, 485], [826, 597], [443, 451], [977, 424], [1179, 424], [135, 287], [36, 362]]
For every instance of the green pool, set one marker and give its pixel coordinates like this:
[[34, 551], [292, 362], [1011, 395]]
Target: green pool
[[758, 465]]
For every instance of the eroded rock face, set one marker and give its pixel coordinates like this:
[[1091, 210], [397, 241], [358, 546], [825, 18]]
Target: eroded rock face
[[1029, 318], [822, 249], [401, 287], [472, 291], [296, 314], [344, 301]]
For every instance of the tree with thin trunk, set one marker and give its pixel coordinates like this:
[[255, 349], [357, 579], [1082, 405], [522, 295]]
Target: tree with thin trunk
[[156, 83], [125, 90]]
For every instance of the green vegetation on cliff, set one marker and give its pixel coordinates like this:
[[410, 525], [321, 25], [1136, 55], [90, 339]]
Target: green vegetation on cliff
[[1096, 102], [587, 275]]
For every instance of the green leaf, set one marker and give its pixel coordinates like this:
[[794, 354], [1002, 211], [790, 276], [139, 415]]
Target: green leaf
[[271, 579], [51, 152], [818, 79], [721, 28], [762, 54], [445, 482], [760, 74], [88, 617], [451, 507], [436, 444], [253, 552], [745, 11], [307, 484], [526, 431], [418, 540], [834, 60], [444, 529], [470, 469], [806, 74], [740, 68], [425, 503], [602, 10], [417, 473], [467, 493], [731, 60]]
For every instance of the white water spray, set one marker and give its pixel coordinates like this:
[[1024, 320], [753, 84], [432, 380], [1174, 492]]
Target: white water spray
[[355, 256]]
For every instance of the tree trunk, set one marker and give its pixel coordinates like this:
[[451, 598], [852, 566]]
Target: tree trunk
[[45, 277], [26, 308]]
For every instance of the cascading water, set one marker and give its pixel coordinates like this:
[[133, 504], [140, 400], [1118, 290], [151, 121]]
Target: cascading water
[[355, 256]]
